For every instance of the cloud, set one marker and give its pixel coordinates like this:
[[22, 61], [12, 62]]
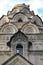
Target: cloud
[[40, 11], [3, 8], [35, 5]]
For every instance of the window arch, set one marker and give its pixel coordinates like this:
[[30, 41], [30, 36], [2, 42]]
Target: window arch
[[19, 20], [19, 49]]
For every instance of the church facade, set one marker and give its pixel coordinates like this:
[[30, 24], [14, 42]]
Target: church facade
[[21, 37]]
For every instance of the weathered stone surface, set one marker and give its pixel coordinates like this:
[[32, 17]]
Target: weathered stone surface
[[31, 31]]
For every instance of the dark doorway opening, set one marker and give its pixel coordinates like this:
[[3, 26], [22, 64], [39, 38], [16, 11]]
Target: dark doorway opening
[[19, 49]]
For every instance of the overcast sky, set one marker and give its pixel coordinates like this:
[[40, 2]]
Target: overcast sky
[[36, 5]]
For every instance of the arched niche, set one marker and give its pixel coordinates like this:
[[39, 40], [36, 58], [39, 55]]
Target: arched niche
[[18, 43], [9, 28], [36, 20], [18, 16], [30, 28]]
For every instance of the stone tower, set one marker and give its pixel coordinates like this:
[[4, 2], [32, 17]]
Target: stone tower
[[21, 37]]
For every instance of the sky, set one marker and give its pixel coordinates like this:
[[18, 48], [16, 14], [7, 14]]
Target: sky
[[35, 5]]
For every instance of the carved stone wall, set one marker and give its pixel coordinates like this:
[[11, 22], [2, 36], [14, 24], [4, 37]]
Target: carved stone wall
[[21, 18]]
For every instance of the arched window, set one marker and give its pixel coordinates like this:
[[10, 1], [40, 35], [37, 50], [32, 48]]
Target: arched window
[[20, 20], [19, 49]]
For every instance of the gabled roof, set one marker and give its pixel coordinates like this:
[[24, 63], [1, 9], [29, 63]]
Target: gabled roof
[[19, 57]]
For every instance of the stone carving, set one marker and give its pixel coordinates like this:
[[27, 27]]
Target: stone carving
[[8, 28], [30, 35], [36, 20], [21, 15], [30, 28], [17, 36]]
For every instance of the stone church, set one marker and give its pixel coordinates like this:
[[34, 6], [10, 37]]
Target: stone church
[[21, 37]]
